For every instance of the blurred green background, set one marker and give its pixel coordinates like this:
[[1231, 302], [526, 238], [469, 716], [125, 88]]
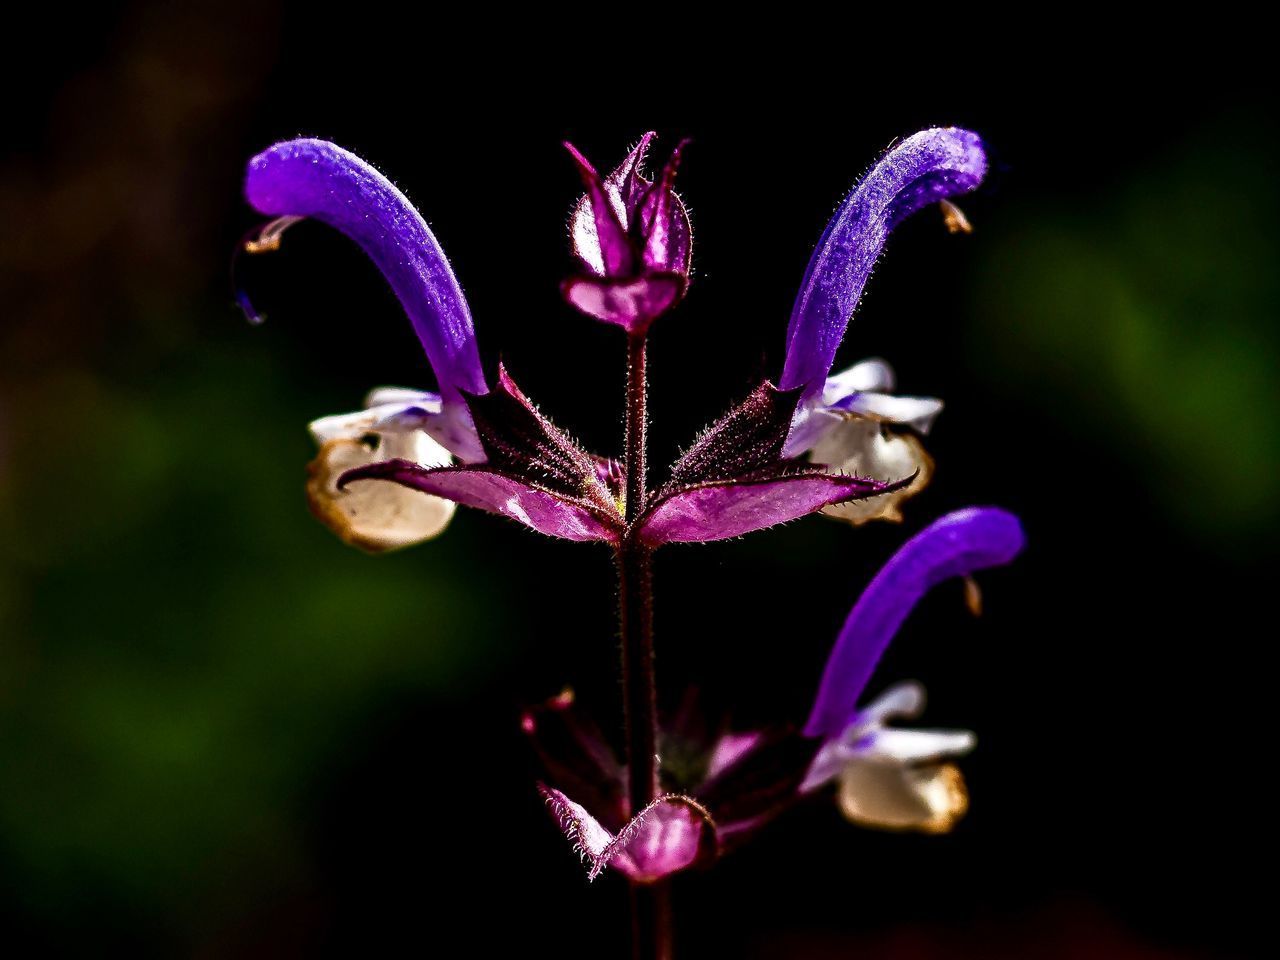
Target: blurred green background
[[224, 733]]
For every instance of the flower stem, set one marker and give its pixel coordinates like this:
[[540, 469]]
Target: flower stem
[[637, 426], [650, 903], [638, 691]]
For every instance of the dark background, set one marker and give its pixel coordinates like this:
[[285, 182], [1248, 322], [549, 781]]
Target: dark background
[[222, 733]]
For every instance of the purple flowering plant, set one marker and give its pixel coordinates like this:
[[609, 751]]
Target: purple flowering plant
[[844, 444]]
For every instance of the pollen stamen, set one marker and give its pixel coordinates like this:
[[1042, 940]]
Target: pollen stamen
[[268, 238], [954, 218]]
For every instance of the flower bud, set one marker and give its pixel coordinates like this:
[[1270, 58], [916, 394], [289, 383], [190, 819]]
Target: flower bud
[[632, 237]]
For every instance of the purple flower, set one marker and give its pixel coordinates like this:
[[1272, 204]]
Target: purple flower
[[316, 179], [632, 236], [923, 169], [889, 777], [851, 421]]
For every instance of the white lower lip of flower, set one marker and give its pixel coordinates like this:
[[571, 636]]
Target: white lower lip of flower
[[890, 796], [894, 778], [865, 448], [377, 515]]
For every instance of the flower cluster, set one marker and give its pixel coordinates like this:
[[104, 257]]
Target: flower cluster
[[844, 444], [889, 777]]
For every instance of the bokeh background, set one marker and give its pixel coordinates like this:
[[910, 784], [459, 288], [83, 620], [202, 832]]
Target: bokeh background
[[223, 733]]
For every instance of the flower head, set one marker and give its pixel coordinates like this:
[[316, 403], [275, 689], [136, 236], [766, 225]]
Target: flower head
[[923, 169], [317, 179], [632, 236], [892, 778], [852, 421], [889, 777]]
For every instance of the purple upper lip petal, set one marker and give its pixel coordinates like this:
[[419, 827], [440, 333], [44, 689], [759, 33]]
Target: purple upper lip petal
[[925, 168], [317, 179], [956, 545]]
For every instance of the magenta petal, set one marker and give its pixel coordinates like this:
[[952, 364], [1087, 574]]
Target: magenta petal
[[922, 169], [611, 239], [314, 178], [954, 546], [669, 835], [625, 182], [729, 749], [497, 492], [666, 221], [717, 511], [629, 303]]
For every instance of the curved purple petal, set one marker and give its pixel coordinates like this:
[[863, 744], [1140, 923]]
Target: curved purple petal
[[930, 166], [496, 492], [718, 511], [954, 546], [315, 178]]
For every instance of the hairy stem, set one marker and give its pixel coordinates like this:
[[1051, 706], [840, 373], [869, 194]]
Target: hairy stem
[[637, 426], [639, 699], [650, 903]]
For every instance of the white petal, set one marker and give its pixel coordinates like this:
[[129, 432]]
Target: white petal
[[865, 448], [403, 418], [416, 446], [380, 396], [808, 426], [891, 796], [902, 701], [894, 744], [343, 426], [873, 374], [377, 515], [827, 764], [385, 409], [918, 413]]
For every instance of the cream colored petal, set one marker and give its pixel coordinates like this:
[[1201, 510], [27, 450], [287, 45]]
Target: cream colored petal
[[376, 515], [865, 448], [889, 796]]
